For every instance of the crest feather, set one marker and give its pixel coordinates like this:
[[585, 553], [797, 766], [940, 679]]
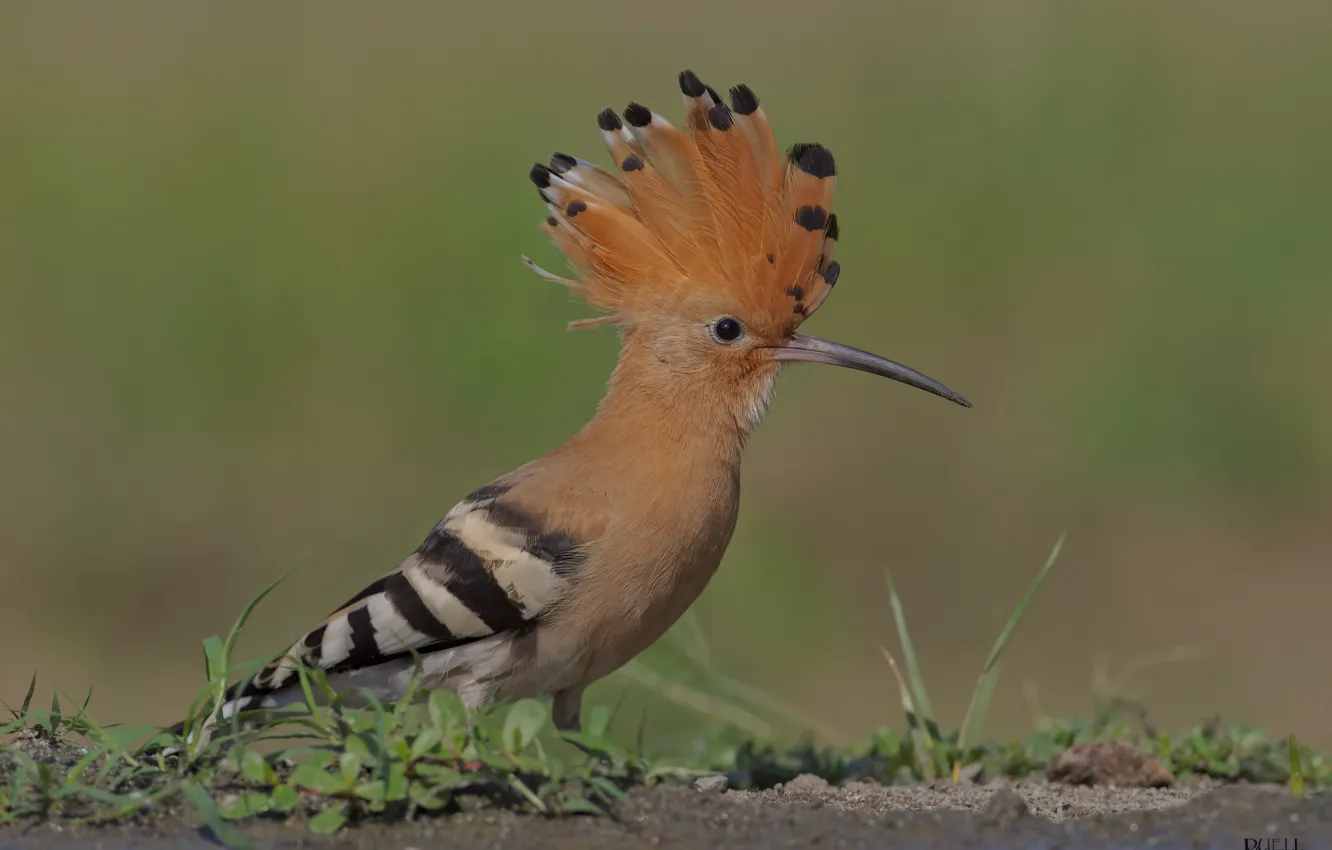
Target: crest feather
[[711, 209]]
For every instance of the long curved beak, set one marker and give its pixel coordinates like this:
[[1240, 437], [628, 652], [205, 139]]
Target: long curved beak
[[814, 350]]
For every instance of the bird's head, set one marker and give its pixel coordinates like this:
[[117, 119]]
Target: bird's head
[[708, 249]]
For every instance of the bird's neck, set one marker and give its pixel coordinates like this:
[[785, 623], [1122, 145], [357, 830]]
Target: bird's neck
[[653, 410]]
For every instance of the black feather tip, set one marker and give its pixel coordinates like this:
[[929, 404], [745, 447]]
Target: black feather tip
[[834, 232], [716, 98], [631, 163], [638, 115], [813, 159], [720, 117], [562, 162], [831, 273], [607, 120], [812, 218], [574, 208], [743, 100], [540, 175], [691, 85]]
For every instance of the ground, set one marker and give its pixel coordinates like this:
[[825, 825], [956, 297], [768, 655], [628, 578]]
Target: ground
[[807, 812]]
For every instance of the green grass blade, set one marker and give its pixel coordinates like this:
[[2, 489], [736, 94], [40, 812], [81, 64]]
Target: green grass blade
[[990, 673], [316, 718], [236, 627], [329, 821], [980, 703], [209, 814], [1296, 770], [213, 661], [521, 787], [923, 745], [917, 681], [219, 661], [761, 699], [76, 772], [56, 717], [707, 704], [381, 738], [1108, 686], [120, 740], [27, 698], [688, 635], [1011, 626]]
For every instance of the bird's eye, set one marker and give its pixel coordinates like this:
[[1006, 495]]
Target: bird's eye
[[727, 329]]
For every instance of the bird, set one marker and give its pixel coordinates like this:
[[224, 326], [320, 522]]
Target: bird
[[706, 249]]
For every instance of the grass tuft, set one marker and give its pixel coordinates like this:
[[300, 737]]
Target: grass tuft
[[934, 752], [344, 758], [1296, 770]]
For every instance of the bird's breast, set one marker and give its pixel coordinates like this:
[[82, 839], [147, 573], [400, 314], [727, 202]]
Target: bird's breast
[[646, 572]]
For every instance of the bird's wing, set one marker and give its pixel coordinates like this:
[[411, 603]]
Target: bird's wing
[[496, 562]]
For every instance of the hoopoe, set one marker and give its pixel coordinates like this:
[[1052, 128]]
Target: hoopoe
[[706, 252]]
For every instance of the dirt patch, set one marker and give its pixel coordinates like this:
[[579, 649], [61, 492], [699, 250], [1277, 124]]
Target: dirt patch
[[1056, 802], [1109, 763], [806, 813]]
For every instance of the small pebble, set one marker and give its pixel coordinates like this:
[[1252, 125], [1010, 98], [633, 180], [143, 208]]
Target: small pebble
[[1006, 804], [711, 783]]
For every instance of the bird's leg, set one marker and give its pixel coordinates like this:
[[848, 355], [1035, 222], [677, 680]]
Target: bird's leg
[[566, 710]]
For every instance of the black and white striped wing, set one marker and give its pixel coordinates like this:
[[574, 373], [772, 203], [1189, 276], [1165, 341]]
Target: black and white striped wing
[[490, 566]]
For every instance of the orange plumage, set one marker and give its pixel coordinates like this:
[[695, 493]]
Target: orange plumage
[[714, 215]]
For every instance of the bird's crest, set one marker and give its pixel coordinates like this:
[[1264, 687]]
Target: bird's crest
[[712, 212]]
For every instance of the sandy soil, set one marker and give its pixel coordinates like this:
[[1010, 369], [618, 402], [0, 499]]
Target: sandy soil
[[808, 813]]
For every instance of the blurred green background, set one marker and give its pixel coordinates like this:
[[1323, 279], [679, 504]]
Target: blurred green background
[[261, 306]]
